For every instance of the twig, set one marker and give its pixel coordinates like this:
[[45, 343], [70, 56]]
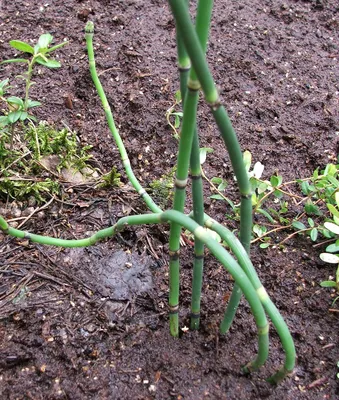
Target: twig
[[35, 211]]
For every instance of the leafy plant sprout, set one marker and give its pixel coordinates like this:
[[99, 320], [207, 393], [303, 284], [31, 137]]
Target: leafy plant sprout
[[191, 48], [39, 55], [17, 107]]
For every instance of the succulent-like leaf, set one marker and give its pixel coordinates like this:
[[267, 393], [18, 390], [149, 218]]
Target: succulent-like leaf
[[314, 234], [329, 258], [332, 227], [298, 225]]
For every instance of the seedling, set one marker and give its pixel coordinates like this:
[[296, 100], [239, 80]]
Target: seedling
[[18, 108]]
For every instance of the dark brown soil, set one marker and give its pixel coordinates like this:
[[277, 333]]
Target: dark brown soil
[[63, 335]]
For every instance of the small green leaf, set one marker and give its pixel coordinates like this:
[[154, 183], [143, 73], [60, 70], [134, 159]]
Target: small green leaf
[[3, 86], [259, 230], [222, 186], [314, 234], [33, 103], [334, 181], [23, 116], [310, 222], [332, 227], [57, 46], [330, 170], [45, 40], [219, 197], [276, 180], [333, 248], [14, 60], [333, 210], [336, 196], [22, 46], [247, 157], [312, 209], [216, 197], [305, 187], [203, 153], [328, 284], [264, 245], [177, 95], [14, 116], [4, 120], [176, 121], [15, 100], [266, 214], [278, 193], [31, 117], [216, 180], [329, 258], [263, 186], [298, 225], [48, 63]]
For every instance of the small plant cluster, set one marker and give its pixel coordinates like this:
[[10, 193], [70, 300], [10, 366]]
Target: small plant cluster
[[37, 143], [18, 108], [312, 209]]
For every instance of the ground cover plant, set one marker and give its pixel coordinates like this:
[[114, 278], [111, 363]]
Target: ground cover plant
[[206, 315]]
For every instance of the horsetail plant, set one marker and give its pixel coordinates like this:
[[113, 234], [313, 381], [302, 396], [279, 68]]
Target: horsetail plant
[[191, 46], [204, 12]]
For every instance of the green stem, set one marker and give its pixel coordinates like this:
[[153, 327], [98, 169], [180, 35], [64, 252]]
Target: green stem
[[244, 261], [110, 120], [174, 217], [198, 60], [203, 19], [185, 145], [28, 82]]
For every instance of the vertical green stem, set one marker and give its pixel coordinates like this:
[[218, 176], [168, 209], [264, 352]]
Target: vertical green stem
[[28, 82], [203, 19], [185, 145], [198, 60]]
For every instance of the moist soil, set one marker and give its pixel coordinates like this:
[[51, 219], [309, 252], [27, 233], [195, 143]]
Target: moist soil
[[68, 330]]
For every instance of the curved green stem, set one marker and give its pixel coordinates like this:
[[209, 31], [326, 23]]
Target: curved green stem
[[110, 120], [174, 217], [282, 329]]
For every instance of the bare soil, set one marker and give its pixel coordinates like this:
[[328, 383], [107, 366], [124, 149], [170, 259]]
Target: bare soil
[[66, 332]]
